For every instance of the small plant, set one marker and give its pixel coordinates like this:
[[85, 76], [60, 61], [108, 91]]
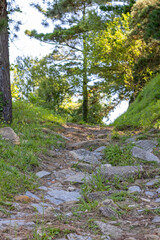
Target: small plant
[[86, 205], [115, 135], [95, 183], [121, 196], [119, 156]]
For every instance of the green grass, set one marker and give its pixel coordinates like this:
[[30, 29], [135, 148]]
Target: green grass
[[18, 162], [119, 156], [144, 112]]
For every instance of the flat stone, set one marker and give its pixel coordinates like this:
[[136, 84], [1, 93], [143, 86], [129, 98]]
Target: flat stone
[[86, 156], [157, 200], [144, 155], [121, 172], [156, 219], [74, 236], [31, 195], [100, 196], [158, 190], [151, 237], [152, 183], [150, 194], [84, 144], [14, 223], [41, 207], [133, 189], [60, 196], [42, 174], [108, 212], [109, 229], [77, 178], [43, 188], [147, 145], [8, 134], [100, 149]]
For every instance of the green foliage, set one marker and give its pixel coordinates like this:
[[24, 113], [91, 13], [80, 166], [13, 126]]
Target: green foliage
[[145, 110], [86, 205], [119, 156]]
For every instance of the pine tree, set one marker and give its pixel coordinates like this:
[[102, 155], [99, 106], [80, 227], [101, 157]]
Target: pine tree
[[74, 20]]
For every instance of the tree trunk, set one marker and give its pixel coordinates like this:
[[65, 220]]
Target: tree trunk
[[85, 80], [5, 88]]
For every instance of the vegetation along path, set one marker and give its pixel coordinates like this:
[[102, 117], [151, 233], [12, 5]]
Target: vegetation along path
[[96, 184]]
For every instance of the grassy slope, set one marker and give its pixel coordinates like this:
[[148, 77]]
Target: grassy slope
[[145, 111], [18, 162]]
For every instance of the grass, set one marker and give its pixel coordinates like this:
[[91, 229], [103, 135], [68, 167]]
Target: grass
[[18, 162], [144, 112], [119, 156]]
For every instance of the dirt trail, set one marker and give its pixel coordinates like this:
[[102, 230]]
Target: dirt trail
[[49, 213]]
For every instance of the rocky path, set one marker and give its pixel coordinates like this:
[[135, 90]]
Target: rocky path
[[126, 207]]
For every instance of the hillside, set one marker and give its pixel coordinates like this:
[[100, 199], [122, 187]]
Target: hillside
[[145, 111]]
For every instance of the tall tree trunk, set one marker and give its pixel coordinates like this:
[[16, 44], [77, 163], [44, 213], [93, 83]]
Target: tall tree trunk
[[85, 80], [5, 88]]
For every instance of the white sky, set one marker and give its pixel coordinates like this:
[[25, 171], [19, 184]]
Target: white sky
[[24, 46]]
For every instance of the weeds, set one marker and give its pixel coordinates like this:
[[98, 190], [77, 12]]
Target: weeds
[[118, 156]]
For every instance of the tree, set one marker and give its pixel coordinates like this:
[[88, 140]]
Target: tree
[[74, 21], [5, 90]]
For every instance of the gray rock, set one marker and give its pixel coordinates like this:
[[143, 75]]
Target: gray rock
[[151, 183], [108, 212], [7, 133], [84, 144], [133, 189], [40, 207], [108, 229], [43, 188], [60, 196], [74, 236], [121, 172], [158, 191], [42, 174], [31, 195], [150, 194], [86, 167], [147, 145], [156, 219], [157, 200], [86, 156], [77, 178], [100, 149], [144, 155], [14, 223], [151, 237], [100, 196]]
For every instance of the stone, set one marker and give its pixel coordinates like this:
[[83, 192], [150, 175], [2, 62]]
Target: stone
[[108, 212], [23, 198], [8, 134], [147, 145], [120, 172], [42, 174], [130, 238], [40, 207], [156, 219], [158, 190], [157, 200], [74, 236], [150, 194], [144, 155], [100, 149], [86, 167], [151, 237], [151, 183], [86, 156], [109, 229], [60, 196], [31, 195], [133, 189], [43, 188], [145, 200], [85, 144], [77, 178], [14, 223], [100, 196]]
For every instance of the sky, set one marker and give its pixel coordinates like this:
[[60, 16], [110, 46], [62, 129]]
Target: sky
[[24, 46]]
